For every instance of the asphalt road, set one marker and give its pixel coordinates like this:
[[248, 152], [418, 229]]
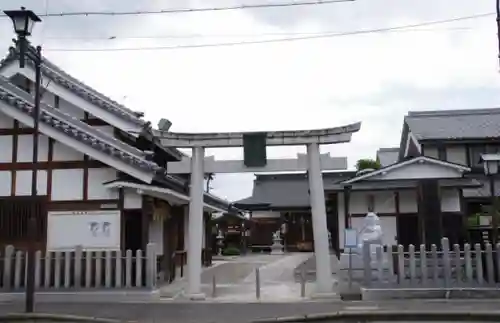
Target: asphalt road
[[237, 312]]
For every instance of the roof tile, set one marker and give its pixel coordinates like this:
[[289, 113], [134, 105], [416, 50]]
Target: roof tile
[[72, 131], [454, 124]]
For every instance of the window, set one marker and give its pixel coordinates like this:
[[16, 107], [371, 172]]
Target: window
[[475, 152], [442, 153]]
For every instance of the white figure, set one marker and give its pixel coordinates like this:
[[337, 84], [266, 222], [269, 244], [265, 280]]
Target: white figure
[[276, 236], [371, 232]]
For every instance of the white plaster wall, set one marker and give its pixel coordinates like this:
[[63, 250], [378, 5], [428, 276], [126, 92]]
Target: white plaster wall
[[456, 154], [450, 200], [23, 182], [408, 201], [98, 176], [66, 230], [48, 98], [67, 184], [64, 153], [431, 152], [25, 148], [6, 122], [132, 200], [6, 183], [71, 109], [156, 235], [6, 149], [384, 202], [419, 171], [265, 214]]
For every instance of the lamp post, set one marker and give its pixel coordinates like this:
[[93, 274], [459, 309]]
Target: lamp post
[[490, 165], [24, 21]]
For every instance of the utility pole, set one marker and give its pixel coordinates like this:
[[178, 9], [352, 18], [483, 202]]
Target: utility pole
[[498, 28]]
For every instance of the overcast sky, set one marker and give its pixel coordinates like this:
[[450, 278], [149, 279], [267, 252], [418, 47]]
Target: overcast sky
[[374, 78]]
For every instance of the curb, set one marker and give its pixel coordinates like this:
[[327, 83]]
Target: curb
[[392, 315], [53, 317]]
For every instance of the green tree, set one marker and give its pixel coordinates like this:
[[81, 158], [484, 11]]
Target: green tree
[[367, 163]]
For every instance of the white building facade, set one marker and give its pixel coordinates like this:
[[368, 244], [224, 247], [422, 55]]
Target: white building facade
[[101, 174]]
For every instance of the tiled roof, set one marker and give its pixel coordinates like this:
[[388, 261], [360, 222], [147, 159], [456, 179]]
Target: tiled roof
[[72, 131], [288, 190], [454, 124], [62, 78], [57, 75]]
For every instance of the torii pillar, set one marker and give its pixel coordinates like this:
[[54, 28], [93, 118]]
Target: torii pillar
[[311, 138]]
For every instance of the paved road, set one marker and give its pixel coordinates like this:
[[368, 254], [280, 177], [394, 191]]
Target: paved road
[[236, 313]]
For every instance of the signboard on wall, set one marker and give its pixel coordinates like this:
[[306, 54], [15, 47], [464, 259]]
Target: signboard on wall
[[93, 230]]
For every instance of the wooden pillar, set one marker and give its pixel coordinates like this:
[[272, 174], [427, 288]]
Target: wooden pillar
[[397, 208], [146, 216], [429, 210], [347, 199]]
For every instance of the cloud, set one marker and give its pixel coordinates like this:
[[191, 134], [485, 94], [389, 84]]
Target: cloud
[[374, 78]]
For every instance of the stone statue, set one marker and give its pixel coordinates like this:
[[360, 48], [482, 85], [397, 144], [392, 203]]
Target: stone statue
[[277, 246], [371, 232], [276, 236]]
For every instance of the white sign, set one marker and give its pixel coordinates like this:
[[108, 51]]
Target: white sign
[[350, 238], [94, 230]]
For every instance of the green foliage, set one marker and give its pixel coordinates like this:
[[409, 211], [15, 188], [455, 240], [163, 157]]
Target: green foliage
[[367, 163], [473, 220], [231, 251]]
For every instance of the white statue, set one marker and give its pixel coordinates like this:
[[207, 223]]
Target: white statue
[[371, 232], [276, 236]]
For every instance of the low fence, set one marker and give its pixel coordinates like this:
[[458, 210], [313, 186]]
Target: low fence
[[80, 269], [434, 267]]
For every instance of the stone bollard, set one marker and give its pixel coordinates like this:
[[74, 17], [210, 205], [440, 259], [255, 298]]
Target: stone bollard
[[257, 283], [214, 287], [303, 282]]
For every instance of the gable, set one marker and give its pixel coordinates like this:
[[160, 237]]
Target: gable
[[417, 168], [419, 171], [412, 146]]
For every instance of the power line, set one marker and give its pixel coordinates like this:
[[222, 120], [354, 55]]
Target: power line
[[191, 36], [318, 36], [189, 10]]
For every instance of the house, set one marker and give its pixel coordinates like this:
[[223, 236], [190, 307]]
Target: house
[[427, 187], [281, 202], [102, 179]]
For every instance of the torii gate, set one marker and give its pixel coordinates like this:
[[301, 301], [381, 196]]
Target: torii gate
[[254, 144]]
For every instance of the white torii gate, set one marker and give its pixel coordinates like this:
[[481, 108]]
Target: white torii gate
[[313, 164]]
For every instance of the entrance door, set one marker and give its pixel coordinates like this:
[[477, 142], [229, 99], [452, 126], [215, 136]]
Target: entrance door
[[407, 227], [133, 230]]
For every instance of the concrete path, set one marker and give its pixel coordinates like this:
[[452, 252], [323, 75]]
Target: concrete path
[[235, 279], [239, 313]]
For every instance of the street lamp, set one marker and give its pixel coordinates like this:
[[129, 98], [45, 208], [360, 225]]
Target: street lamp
[[24, 21], [490, 165]]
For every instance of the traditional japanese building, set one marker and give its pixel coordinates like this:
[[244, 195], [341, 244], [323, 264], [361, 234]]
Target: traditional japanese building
[[102, 179], [431, 186]]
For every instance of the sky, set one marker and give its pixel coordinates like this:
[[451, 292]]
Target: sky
[[374, 78]]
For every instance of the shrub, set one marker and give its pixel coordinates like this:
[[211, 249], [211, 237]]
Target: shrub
[[231, 251]]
